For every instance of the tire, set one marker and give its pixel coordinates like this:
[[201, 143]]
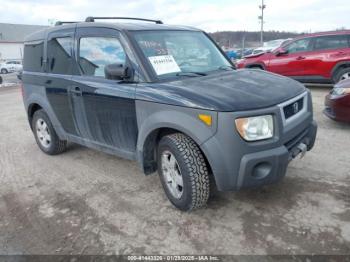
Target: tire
[[4, 71], [190, 166], [341, 74], [41, 121]]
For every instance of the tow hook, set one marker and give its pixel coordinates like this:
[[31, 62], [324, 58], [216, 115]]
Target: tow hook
[[303, 148]]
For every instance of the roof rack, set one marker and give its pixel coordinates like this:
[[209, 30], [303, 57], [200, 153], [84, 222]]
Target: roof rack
[[93, 18], [64, 22]]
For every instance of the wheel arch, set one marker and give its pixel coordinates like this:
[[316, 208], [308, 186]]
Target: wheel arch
[[255, 65], [35, 102], [339, 66], [32, 108], [147, 157]]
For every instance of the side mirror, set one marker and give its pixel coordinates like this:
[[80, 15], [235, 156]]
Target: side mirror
[[117, 72], [281, 51]]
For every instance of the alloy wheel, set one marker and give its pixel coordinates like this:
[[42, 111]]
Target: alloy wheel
[[43, 133], [345, 76], [172, 174]]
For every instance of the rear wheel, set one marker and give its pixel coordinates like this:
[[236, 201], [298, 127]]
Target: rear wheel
[[4, 71], [45, 135], [342, 74], [183, 172]]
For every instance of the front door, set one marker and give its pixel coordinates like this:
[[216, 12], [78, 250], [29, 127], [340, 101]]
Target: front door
[[294, 62], [104, 109]]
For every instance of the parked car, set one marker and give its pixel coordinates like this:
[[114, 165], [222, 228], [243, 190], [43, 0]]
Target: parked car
[[271, 45], [10, 66], [231, 54], [337, 102], [246, 52], [315, 58], [137, 91]]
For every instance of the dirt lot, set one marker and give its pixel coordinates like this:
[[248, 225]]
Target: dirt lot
[[86, 202]]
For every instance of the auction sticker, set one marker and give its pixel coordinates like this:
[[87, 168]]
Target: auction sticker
[[164, 64]]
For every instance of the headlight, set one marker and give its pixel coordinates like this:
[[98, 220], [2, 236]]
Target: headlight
[[255, 128], [340, 91]]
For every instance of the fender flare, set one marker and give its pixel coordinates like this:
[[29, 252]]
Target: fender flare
[[176, 120], [43, 103]]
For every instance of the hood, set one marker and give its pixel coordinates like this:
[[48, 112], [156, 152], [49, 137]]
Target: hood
[[228, 91]]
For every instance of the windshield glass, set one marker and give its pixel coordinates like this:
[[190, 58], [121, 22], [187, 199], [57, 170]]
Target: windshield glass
[[274, 43], [175, 53]]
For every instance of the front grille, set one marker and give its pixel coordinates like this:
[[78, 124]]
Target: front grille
[[293, 108]]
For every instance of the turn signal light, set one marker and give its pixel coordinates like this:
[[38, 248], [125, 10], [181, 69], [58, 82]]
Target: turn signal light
[[206, 119]]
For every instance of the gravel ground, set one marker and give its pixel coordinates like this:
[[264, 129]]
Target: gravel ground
[[87, 202]]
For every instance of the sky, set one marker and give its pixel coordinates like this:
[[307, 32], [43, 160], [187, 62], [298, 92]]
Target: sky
[[209, 15]]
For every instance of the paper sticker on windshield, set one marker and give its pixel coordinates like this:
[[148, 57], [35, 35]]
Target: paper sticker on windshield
[[164, 64]]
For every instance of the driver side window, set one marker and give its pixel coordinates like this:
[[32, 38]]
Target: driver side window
[[302, 45], [97, 52]]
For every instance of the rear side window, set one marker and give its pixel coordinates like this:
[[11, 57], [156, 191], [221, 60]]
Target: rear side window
[[33, 57], [331, 42], [97, 52], [59, 54]]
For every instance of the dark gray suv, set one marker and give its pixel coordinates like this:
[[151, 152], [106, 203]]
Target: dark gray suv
[[167, 97]]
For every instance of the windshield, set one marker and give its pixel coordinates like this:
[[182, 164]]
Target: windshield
[[175, 53], [274, 43]]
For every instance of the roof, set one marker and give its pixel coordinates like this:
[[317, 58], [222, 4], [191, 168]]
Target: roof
[[118, 26], [338, 32], [16, 33]]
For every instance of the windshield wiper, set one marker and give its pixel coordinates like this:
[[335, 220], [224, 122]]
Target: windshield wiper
[[191, 74]]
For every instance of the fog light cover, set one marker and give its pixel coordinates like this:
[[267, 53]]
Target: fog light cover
[[255, 128]]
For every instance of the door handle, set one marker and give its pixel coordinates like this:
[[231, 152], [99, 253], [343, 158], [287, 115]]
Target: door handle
[[76, 91], [300, 57]]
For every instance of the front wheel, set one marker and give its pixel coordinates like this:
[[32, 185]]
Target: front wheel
[[4, 71], [183, 172]]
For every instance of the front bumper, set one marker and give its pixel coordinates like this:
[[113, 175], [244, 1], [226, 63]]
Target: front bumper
[[237, 164], [337, 107], [270, 166]]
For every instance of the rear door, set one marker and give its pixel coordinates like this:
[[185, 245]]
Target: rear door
[[59, 67], [104, 109], [327, 51], [293, 63]]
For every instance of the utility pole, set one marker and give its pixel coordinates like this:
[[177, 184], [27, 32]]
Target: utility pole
[[261, 18]]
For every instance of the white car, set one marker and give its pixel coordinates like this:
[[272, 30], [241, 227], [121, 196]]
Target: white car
[[271, 45], [10, 66]]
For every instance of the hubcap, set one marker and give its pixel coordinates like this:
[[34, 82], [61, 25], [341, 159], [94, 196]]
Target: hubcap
[[345, 76], [43, 133], [172, 174]]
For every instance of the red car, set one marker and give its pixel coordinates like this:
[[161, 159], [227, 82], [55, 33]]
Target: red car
[[315, 58], [338, 102]]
